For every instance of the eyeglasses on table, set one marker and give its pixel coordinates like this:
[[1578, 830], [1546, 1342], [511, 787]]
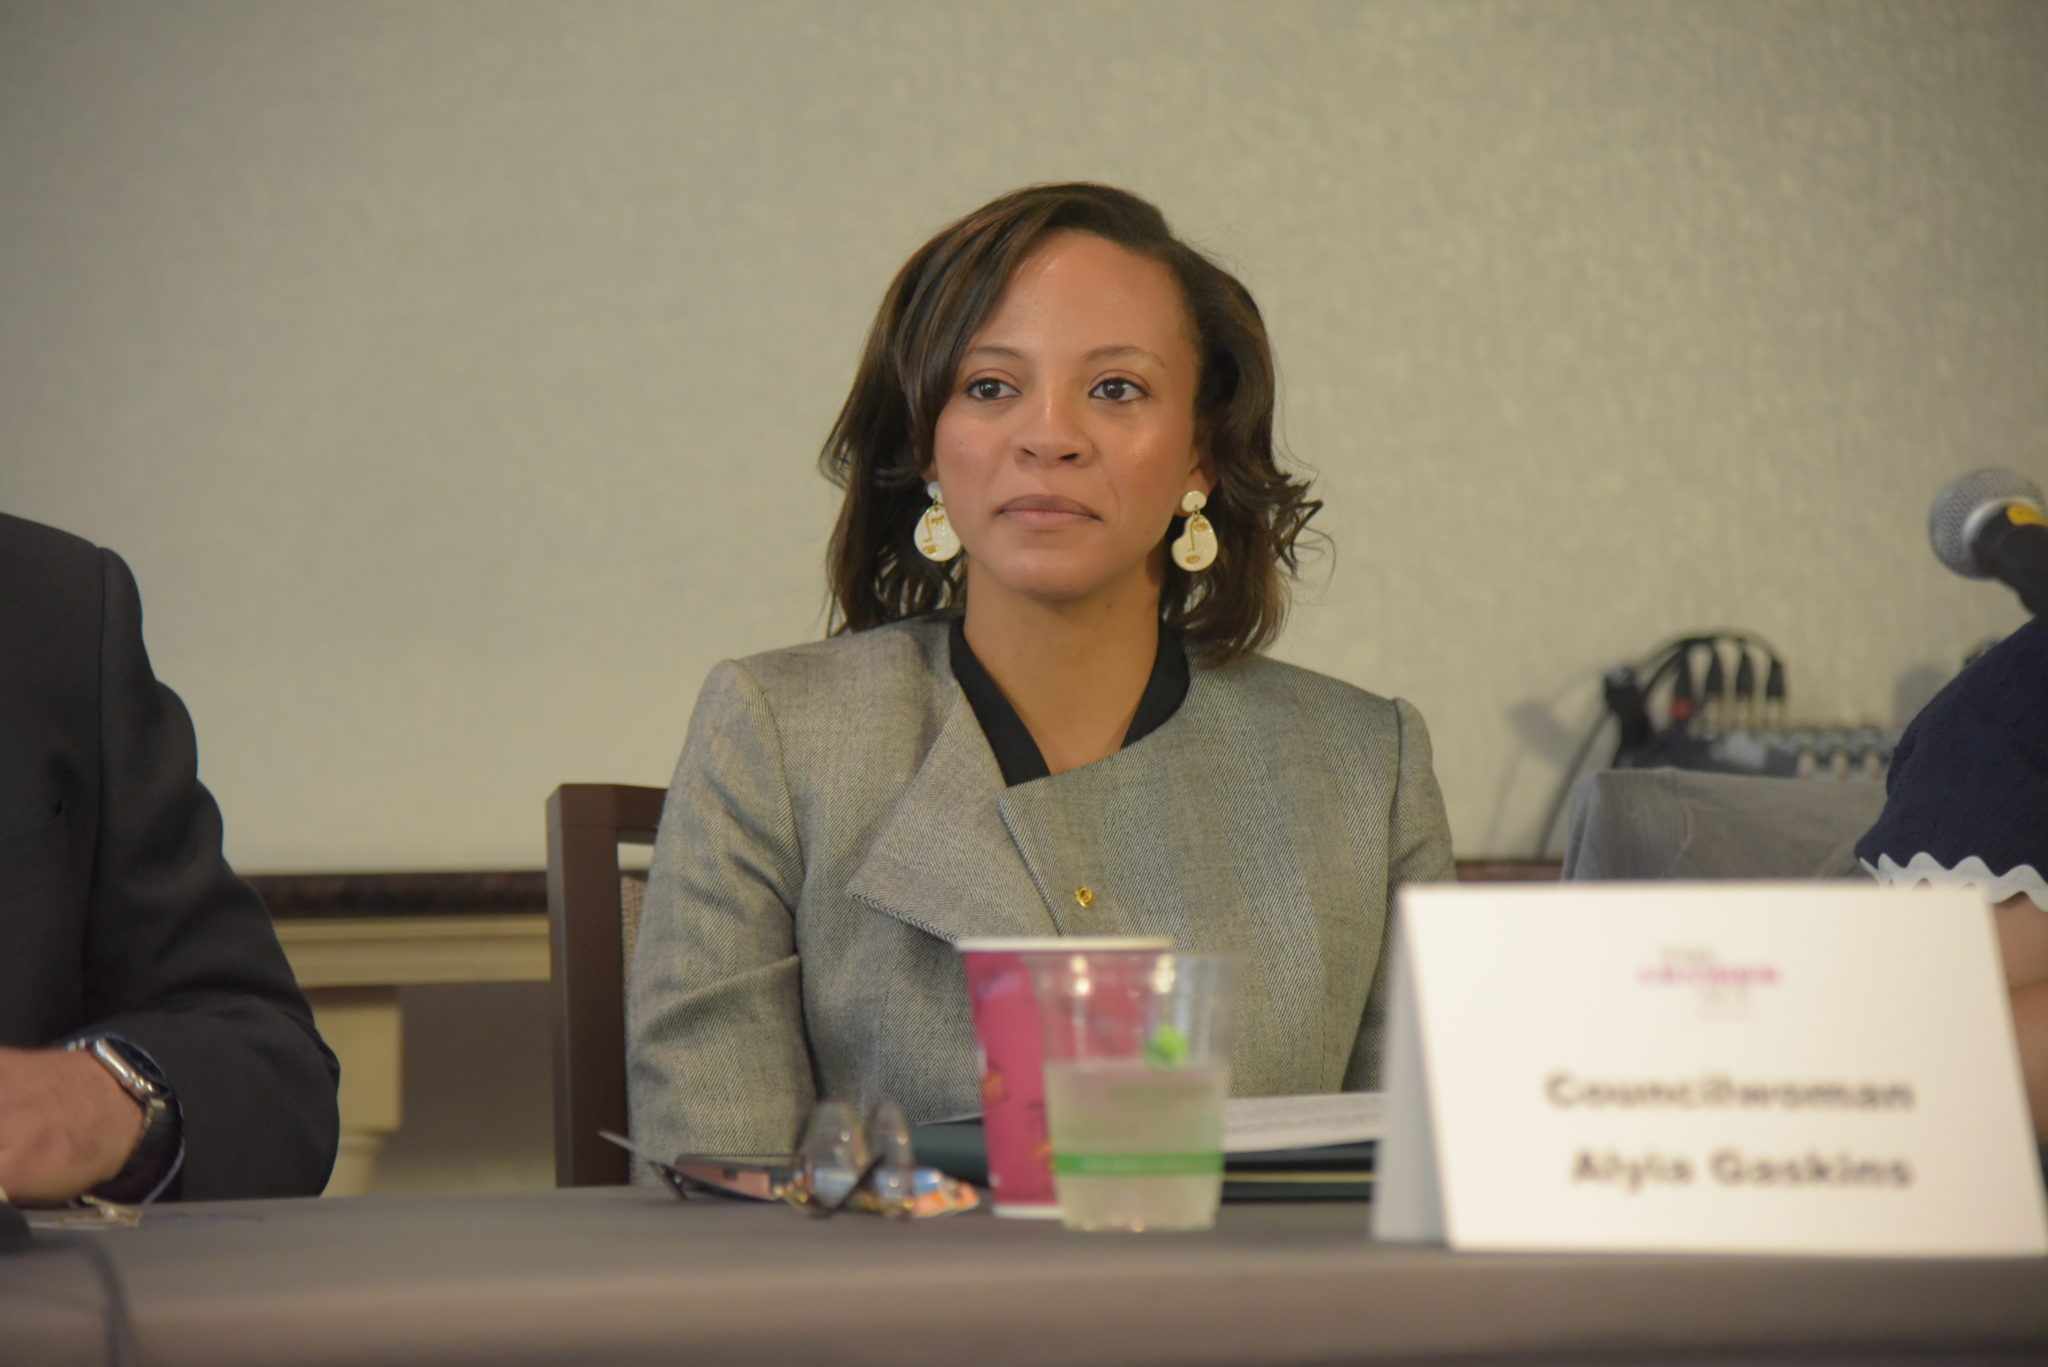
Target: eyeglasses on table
[[840, 1163]]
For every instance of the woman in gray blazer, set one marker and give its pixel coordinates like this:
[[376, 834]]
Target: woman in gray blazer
[[1064, 540]]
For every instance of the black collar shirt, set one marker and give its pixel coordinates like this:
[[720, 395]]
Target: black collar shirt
[[1016, 753]]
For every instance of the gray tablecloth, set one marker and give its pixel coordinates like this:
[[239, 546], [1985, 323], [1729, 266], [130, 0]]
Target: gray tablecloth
[[1674, 823], [626, 1275]]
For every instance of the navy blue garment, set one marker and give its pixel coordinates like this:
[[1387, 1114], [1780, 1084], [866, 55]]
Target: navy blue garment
[[1967, 796]]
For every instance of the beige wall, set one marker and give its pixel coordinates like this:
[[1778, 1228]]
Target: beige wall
[[451, 373]]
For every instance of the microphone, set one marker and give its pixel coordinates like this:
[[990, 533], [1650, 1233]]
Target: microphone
[[1993, 524]]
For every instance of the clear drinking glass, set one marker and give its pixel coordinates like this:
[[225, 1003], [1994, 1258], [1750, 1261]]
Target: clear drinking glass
[[1137, 1064]]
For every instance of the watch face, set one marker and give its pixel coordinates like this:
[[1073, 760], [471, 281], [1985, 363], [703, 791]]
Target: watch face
[[129, 1069]]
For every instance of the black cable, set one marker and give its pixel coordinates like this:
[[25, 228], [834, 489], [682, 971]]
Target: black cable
[[1774, 694], [1672, 664], [120, 1322], [1564, 789], [1660, 661], [114, 1309], [1745, 688], [1675, 652], [1714, 690]]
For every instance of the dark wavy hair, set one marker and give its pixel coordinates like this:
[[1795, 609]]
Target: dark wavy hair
[[882, 442]]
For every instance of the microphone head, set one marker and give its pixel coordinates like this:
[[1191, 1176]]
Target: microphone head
[[1959, 507]]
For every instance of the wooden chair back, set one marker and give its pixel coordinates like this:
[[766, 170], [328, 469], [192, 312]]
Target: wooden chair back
[[593, 916]]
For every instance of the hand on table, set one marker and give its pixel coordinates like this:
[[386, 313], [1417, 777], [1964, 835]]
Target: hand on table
[[65, 1124]]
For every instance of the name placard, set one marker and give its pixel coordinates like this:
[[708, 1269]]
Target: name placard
[[1735, 1068]]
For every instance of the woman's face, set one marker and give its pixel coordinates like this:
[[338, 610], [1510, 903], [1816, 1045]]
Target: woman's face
[[1069, 438]]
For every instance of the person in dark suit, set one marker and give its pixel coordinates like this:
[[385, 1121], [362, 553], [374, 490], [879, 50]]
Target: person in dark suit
[[153, 1042]]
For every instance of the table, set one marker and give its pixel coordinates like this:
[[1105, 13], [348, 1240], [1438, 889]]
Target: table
[[630, 1275]]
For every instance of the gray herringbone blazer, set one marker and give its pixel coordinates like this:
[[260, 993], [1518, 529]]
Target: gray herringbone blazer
[[837, 820]]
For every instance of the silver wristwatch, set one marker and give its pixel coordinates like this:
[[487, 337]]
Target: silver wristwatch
[[154, 1152]]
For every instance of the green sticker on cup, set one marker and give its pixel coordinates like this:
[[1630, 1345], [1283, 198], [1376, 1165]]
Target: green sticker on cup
[[1168, 1048], [1138, 1164]]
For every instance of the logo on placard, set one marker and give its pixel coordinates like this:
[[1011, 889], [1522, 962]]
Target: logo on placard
[[1723, 989]]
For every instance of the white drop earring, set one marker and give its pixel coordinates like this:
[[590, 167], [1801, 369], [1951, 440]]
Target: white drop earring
[[935, 537], [1195, 547]]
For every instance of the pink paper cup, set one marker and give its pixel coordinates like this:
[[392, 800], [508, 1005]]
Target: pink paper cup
[[1011, 1041]]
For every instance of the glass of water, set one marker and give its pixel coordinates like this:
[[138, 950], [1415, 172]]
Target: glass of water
[[1137, 1064]]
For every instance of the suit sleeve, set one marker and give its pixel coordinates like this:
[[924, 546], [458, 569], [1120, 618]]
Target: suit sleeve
[[182, 958], [717, 1060], [1418, 851]]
